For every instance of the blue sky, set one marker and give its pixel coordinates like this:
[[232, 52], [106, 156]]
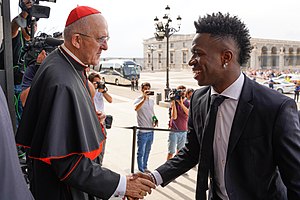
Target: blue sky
[[131, 21]]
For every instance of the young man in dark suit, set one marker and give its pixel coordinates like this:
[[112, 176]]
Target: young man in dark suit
[[253, 149]]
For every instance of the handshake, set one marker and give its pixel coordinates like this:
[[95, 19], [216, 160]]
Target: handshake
[[139, 185]]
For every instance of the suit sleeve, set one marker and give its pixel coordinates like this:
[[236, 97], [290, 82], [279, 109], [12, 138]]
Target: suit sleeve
[[86, 175], [286, 143], [187, 157]]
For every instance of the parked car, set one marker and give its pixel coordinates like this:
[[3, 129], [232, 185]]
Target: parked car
[[292, 77], [281, 86]]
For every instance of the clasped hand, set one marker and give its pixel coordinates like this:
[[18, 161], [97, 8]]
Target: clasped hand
[[138, 186]]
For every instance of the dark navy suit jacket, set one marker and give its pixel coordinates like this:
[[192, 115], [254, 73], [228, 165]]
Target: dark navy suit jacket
[[263, 157]]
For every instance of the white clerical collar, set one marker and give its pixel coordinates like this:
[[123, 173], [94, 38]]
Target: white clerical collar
[[234, 90], [72, 55]]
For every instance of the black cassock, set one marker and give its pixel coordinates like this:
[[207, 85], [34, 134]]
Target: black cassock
[[63, 135]]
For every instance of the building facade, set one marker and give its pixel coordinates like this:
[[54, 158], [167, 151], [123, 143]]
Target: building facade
[[266, 53]]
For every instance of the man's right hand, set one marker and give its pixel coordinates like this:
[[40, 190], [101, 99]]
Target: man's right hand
[[101, 116], [138, 187], [145, 94]]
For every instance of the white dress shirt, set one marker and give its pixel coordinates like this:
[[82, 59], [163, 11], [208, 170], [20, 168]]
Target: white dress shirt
[[225, 115]]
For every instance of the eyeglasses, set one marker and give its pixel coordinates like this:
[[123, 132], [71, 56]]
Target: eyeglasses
[[100, 40]]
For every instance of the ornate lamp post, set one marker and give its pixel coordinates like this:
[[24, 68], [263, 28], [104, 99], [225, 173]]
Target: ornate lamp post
[[164, 29], [151, 48]]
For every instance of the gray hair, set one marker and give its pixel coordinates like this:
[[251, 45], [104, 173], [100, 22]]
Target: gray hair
[[80, 26]]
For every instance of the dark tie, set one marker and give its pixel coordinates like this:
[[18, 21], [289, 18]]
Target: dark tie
[[206, 152]]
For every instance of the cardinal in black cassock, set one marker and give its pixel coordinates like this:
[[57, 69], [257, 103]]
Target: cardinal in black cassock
[[61, 131]]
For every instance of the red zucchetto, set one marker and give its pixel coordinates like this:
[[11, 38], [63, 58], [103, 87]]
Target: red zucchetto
[[80, 12]]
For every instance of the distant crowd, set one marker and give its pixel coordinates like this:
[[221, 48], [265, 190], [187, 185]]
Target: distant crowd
[[268, 73]]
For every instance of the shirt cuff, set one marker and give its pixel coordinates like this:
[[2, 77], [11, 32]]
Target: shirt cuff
[[121, 189], [157, 177]]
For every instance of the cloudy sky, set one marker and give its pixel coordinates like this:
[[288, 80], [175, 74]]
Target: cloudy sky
[[131, 21]]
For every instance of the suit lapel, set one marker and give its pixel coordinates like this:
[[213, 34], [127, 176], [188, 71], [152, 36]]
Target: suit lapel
[[242, 113]]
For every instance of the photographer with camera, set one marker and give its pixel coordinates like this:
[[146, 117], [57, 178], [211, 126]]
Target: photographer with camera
[[101, 92], [179, 111], [144, 107], [20, 32]]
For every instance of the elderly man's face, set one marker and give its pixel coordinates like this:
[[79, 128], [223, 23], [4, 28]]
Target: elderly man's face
[[95, 41], [206, 60]]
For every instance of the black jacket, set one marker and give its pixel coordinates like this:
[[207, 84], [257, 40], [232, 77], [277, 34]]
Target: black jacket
[[265, 137]]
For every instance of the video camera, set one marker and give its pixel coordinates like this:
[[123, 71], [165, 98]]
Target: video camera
[[176, 94], [34, 47], [37, 10], [101, 85], [31, 50]]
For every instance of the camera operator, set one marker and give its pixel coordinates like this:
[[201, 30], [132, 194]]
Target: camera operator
[[20, 31], [29, 75], [179, 111], [101, 92], [33, 55], [21, 28]]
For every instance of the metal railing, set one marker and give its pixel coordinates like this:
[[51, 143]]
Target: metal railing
[[135, 128]]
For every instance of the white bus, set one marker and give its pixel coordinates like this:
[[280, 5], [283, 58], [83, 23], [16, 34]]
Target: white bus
[[119, 72]]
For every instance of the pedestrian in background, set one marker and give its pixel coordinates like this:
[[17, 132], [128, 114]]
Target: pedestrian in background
[[144, 107], [188, 94], [296, 91], [132, 83], [137, 83], [271, 83]]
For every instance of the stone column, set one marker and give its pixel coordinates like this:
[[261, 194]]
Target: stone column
[[269, 59], [281, 59], [254, 58], [294, 59]]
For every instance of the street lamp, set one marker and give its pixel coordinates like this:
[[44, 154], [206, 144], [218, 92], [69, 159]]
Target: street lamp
[[163, 29], [151, 48]]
